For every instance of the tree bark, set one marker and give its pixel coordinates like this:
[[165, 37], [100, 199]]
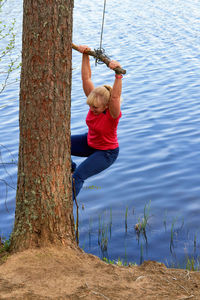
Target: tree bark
[[44, 206]]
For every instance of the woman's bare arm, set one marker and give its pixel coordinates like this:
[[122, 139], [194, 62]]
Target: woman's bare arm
[[115, 100], [86, 74]]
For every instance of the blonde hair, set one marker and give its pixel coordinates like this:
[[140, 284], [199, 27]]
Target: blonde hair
[[99, 95]]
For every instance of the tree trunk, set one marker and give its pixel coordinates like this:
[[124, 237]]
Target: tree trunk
[[44, 206]]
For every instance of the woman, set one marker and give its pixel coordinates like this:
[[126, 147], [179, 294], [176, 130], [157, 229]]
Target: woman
[[100, 144]]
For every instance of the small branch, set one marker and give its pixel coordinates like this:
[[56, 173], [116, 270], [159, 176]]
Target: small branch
[[7, 184], [100, 294], [188, 275], [96, 293], [77, 207], [186, 298], [101, 57]]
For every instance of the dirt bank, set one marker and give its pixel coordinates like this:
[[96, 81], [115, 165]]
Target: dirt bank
[[57, 273]]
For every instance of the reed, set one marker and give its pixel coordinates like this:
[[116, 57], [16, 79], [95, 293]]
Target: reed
[[195, 243], [165, 220], [140, 227], [103, 235], [90, 232], [126, 219], [110, 224], [141, 254], [172, 235]]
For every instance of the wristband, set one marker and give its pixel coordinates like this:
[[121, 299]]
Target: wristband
[[118, 76]]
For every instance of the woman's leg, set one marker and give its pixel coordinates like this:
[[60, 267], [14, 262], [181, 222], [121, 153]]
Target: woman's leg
[[94, 164], [79, 147]]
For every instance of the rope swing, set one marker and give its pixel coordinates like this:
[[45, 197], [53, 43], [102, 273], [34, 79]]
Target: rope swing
[[99, 54], [100, 51]]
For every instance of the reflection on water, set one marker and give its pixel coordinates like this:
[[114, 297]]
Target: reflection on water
[[157, 42]]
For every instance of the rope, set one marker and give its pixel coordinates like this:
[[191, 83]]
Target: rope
[[100, 51], [102, 23]]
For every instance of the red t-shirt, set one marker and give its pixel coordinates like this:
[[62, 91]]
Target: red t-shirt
[[102, 133]]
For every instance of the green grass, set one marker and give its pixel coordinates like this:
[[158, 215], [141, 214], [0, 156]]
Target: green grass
[[193, 264], [118, 262], [4, 249], [4, 245]]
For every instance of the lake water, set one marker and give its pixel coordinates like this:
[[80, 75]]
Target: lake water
[[158, 168]]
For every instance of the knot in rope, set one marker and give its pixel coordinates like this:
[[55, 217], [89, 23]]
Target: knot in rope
[[99, 53]]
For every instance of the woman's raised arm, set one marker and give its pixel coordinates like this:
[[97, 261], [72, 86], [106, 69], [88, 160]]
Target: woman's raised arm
[[115, 99], [86, 74]]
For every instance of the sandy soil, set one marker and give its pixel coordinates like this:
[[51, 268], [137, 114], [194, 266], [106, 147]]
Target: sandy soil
[[58, 273]]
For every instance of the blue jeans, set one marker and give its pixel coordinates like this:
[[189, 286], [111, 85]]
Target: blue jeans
[[96, 161]]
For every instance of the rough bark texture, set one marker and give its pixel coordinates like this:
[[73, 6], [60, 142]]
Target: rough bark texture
[[44, 208]]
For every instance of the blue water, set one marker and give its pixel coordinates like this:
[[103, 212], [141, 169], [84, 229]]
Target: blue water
[[158, 43]]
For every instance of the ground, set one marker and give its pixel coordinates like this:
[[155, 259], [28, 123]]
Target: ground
[[69, 273]]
